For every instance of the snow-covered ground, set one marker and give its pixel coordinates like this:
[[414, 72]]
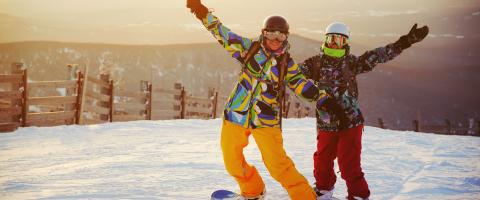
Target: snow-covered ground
[[181, 159]]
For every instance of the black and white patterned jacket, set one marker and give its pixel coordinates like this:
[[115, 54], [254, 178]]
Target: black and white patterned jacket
[[339, 75]]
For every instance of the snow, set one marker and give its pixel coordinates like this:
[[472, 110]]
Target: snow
[[181, 159]]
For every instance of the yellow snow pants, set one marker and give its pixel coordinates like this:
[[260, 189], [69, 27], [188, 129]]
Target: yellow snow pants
[[270, 143]]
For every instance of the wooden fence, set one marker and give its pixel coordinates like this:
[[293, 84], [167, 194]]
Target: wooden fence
[[85, 99], [12, 104], [129, 106], [298, 111], [200, 107], [97, 100], [168, 103], [185, 106], [54, 110], [447, 128]]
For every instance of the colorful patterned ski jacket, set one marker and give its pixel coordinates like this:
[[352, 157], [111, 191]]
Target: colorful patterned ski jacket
[[339, 74], [253, 101]]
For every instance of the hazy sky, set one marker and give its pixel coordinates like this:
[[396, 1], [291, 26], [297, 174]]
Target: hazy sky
[[168, 21]]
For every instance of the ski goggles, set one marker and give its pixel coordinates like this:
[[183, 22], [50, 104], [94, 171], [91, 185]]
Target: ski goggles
[[275, 35], [336, 39]]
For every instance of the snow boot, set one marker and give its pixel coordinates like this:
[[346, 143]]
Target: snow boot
[[359, 198], [259, 197], [323, 194]]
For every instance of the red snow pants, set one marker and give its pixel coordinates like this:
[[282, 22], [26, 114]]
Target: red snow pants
[[346, 145]]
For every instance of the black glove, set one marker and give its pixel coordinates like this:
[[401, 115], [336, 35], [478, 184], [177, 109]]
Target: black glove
[[415, 35], [197, 8], [332, 106]]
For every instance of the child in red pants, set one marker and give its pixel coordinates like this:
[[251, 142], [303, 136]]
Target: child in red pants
[[337, 137]]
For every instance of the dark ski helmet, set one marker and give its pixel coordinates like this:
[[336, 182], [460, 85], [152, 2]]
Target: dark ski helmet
[[275, 23]]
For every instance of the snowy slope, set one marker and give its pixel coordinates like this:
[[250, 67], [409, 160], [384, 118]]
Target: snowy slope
[[181, 159]]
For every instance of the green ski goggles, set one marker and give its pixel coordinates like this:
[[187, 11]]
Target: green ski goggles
[[336, 41]]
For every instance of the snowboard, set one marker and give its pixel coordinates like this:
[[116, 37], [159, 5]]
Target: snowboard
[[334, 198], [229, 195], [224, 195]]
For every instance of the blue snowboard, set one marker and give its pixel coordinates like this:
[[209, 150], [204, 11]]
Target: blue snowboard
[[224, 195]]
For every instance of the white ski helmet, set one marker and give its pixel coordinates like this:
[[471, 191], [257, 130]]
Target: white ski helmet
[[338, 28]]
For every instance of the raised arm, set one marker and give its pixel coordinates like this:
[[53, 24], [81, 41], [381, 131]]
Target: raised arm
[[233, 43], [370, 59]]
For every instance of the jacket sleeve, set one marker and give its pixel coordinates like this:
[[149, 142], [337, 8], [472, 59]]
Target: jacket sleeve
[[306, 69], [300, 85], [310, 67], [370, 59], [233, 43]]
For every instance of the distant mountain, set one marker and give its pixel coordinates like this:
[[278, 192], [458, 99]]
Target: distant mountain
[[427, 82]]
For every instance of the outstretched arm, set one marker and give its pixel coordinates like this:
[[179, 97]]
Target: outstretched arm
[[232, 42], [370, 59]]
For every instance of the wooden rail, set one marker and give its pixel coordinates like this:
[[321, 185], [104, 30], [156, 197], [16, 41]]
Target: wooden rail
[[50, 116], [53, 84], [52, 100], [11, 78], [11, 95], [10, 111]]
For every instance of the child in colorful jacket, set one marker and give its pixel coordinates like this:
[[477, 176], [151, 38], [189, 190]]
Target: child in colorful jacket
[[253, 105], [337, 68]]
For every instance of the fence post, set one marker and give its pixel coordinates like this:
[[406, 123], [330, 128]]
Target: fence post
[[149, 104], [298, 109], [106, 91], [380, 123], [478, 127], [287, 108], [111, 102], [24, 99], [416, 126], [214, 105], [78, 106], [72, 73], [82, 93], [16, 68], [449, 126], [307, 109], [182, 103]]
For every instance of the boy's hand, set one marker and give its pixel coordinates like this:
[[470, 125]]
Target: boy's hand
[[192, 4], [332, 106], [415, 35], [197, 8]]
